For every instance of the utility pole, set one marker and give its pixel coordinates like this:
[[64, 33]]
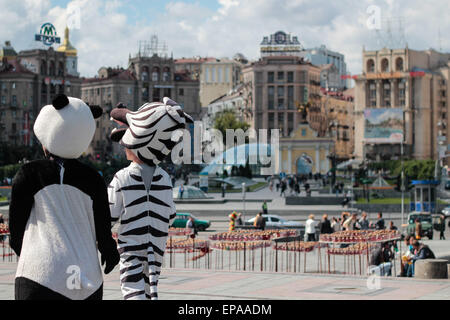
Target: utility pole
[[402, 183]]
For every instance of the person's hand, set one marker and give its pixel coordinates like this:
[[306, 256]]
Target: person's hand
[[111, 260]]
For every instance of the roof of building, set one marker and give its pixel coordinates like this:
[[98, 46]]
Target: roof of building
[[13, 66], [113, 73], [194, 60], [7, 50], [67, 47]]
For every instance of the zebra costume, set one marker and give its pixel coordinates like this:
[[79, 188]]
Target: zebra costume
[[144, 211]]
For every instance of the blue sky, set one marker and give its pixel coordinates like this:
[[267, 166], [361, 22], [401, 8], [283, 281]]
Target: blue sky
[[110, 30]]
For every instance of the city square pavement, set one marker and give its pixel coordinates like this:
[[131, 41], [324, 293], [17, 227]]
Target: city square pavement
[[183, 284]]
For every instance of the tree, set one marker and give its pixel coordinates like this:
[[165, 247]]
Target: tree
[[228, 119]]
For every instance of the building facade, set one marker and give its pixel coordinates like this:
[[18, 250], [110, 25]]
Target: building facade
[[217, 78], [234, 100], [278, 87], [192, 67], [107, 90], [157, 78], [30, 80], [324, 56], [411, 85]]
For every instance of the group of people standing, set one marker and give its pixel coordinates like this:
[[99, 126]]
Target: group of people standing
[[347, 221]]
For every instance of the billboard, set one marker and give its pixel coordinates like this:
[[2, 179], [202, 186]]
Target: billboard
[[383, 125]]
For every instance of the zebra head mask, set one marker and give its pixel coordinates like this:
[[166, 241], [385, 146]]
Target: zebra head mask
[[148, 132]]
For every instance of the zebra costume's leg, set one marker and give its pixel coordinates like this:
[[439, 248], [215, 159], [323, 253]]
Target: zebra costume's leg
[[132, 280], [155, 259], [151, 286]]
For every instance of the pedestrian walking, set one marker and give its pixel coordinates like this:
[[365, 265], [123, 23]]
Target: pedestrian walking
[[264, 207], [441, 227]]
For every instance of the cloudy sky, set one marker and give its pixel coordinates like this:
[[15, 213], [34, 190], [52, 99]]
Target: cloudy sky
[[106, 32]]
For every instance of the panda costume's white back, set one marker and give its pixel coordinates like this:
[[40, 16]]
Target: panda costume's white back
[[59, 212]]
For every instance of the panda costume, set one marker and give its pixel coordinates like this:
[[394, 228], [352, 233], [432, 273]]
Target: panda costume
[[141, 196], [59, 213]]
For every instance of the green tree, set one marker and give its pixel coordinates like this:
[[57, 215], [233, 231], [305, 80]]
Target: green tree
[[228, 119]]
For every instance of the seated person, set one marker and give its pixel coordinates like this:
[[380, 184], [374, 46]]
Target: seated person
[[422, 251], [407, 256], [380, 260]]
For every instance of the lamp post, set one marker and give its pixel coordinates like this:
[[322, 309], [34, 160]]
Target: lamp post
[[402, 183], [243, 196]]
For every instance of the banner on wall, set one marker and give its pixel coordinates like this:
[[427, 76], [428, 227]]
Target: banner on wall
[[383, 125]]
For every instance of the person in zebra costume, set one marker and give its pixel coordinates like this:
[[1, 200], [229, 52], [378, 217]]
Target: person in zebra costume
[[141, 196]]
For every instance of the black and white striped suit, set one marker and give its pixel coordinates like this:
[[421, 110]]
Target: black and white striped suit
[[144, 217]]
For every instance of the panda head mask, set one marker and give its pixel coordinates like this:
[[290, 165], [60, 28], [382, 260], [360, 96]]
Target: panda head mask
[[149, 132], [66, 127]]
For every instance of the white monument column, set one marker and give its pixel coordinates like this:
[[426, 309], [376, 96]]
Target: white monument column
[[317, 159], [289, 168]]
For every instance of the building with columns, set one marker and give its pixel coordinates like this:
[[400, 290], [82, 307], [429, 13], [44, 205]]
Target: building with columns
[[304, 152], [413, 84]]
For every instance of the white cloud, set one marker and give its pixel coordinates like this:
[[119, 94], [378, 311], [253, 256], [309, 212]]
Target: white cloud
[[107, 35]]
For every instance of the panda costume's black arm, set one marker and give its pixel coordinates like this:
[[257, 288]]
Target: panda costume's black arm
[[22, 199], [102, 219]]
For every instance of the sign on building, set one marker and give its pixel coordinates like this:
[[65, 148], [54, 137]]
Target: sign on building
[[383, 125], [47, 35]]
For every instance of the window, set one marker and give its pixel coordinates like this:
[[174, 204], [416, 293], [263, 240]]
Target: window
[[271, 100], [181, 92], [166, 74], [227, 74], [270, 77], [271, 120], [290, 77], [43, 67], [13, 85], [3, 99], [385, 65], [213, 74], [303, 132], [370, 65], [206, 74], [290, 122], [280, 96], [281, 123], [14, 101], [156, 94], [399, 64], [291, 97], [280, 75], [155, 74], [219, 74]]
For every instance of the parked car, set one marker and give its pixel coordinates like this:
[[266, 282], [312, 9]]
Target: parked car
[[182, 218], [446, 211], [427, 224], [447, 185], [277, 221]]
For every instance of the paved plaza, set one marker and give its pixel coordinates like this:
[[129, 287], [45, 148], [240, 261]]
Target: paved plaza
[[183, 284]]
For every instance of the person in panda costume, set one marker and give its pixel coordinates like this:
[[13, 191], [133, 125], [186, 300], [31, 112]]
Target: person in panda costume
[[141, 196], [59, 212]]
